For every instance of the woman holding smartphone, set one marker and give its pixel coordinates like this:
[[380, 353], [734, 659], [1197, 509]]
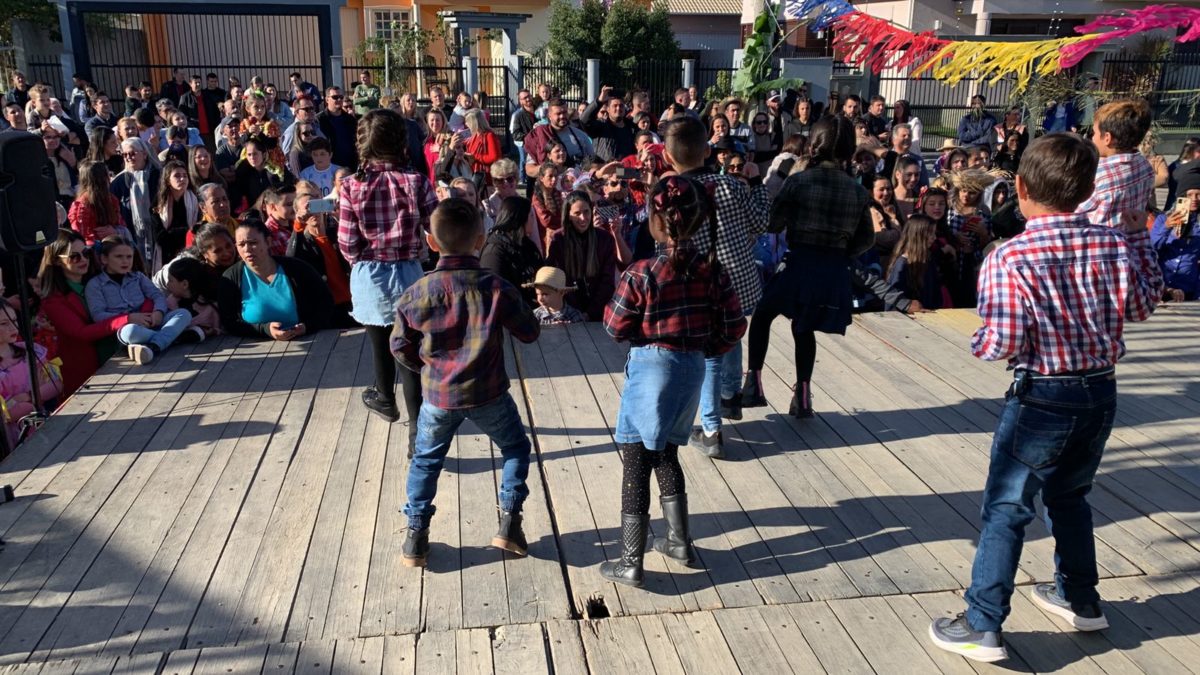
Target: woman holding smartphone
[[311, 243]]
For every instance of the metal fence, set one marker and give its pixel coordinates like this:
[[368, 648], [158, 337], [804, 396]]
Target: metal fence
[[567, 78], [47, 69], [1171, 84], [405, 78]]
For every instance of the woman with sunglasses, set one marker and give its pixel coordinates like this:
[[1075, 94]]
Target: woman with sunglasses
[[136, 188], [764, 141], [84, 345]]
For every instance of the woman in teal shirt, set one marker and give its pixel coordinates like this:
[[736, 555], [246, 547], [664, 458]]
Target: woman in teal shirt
[[267, 296]]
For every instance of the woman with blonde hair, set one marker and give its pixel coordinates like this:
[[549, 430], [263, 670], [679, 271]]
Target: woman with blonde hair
[[482, 148]]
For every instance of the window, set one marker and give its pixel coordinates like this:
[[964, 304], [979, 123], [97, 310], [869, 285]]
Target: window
[[386, 24]]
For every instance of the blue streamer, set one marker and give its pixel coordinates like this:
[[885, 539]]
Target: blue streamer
[[819, 13]]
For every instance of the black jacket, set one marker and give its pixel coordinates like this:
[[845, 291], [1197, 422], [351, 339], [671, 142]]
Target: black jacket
[[301, 247], [613, 143], [314, 304], [248, 183], [516, 263], [344, 154]]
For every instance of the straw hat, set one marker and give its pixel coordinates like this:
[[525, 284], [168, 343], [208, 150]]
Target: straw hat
[[551, 277], [948, 144]]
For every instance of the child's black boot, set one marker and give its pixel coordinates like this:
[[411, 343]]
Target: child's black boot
[[628, 570], [676, 545], [510, 537], [416, 548]]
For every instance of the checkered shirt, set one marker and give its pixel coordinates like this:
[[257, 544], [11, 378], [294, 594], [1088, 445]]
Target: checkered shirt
[[450, 328], [383, 216], [678, 310], [1124, 182], [1055, 298], [742, 214]]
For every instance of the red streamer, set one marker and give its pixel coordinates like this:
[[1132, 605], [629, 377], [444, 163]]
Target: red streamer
[[1153, 17]]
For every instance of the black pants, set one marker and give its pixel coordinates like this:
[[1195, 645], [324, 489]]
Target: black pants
[[385, 372], [635, 480], [760, 338]]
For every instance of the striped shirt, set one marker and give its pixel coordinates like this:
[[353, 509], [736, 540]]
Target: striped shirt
[[1055, 298]]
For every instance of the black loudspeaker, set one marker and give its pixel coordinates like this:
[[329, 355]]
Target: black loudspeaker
[[28, 215]]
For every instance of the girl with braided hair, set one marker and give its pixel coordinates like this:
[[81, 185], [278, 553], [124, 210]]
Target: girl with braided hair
[[676, 309]]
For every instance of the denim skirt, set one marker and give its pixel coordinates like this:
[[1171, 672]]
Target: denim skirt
[[376, 286], [662, 392]]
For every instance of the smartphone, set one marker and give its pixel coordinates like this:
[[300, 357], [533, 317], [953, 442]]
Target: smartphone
[[58, 125], [1183, 206], [626, 173], [325, 205]]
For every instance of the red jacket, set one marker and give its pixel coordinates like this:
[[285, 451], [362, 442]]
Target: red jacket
[[485, 148], [77, 335], [83, 219]]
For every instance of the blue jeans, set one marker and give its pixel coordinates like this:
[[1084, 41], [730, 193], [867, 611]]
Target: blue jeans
[[722, 379], [174, 323], [1050, 439], [435, 431]]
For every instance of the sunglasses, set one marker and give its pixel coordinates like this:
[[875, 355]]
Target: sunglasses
[[336, 97], [507, 179], [759, 123], [307, 134], [616, 183], [736, 166], [131, 155], [306, 107], [72, 257]]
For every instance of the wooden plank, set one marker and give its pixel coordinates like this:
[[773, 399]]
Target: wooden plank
[[442, 589], [399, 654], [615, 646], [658, 643], [264, 590], [699, 643], [485, 591], [362, 656], [140, 664], [473, 651], [196, 442], [240, 659], [881, 636], [316, 657], [519, 649], [281, 658], [310, 605], [751, 641], [437, 653], [217, 510], [787, 634], [947, 604], [88, 523], [566, 647], [829, 640], [181, 662], [64, 667], [101, 665]]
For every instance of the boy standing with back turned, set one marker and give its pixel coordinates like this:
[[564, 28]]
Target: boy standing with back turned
[[1054, 301], [450, 328]]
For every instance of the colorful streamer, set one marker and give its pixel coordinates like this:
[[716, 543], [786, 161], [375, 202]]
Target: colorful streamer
[[870, 42]]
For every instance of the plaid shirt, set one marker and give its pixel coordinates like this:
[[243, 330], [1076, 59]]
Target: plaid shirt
[[383, 217], [449, 327], [686, 312], [823, 206], [281, 234], [1124, 182], [1055, 298], [741, 216]]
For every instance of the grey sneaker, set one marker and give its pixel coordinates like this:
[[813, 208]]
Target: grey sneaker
[[956, 636], [1081, 617], [710, 446]]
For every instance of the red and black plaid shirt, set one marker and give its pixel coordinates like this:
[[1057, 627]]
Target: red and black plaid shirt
[[450, 328], [678, 310], [383, 217]]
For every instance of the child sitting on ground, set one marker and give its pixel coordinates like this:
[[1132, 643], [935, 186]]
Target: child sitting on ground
[[190, 286], [1054, 301], [676, 309], [16, 393], [551, 288], [462, 371], [119, 289]]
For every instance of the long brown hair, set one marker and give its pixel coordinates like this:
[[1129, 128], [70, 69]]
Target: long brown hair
[[580, 260], [94, 193], [50, 277], [914, 247], [164, 183], [382, 137]]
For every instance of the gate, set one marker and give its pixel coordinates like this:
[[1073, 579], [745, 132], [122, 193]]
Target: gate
[[127, 47]]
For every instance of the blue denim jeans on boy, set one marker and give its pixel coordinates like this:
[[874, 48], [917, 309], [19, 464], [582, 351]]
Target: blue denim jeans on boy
[[1050, 439], [174, 323], [722, 379], [435, 432]]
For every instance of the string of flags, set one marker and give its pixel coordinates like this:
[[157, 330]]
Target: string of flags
[[870, 42]]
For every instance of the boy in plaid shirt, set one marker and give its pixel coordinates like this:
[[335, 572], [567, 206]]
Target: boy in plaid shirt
[[1054, 301], [461, 362], [1124, 177]]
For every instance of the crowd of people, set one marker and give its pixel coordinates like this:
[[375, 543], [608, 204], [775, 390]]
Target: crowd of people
[[273, 213]]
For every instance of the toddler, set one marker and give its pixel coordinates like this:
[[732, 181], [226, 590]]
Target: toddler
[[551, 288]]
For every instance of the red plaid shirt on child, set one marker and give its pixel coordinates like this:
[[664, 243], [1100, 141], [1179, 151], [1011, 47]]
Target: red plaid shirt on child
[[1124, 182], [656, 305], [450, 327], [383, 217], [281, 234], [1055, 298]]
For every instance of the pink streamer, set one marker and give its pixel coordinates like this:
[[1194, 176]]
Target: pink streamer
[[1133, 22]]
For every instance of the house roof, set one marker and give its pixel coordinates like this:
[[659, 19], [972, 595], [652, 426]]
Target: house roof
[[705, 6]]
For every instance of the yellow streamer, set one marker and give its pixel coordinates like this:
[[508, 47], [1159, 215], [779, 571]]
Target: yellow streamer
[[994, 60]]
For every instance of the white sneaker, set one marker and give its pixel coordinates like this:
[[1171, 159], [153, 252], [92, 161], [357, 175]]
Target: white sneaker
[[141, 354], [1081, 617]]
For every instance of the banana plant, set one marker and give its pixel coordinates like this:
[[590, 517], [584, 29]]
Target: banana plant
[[751, 80]]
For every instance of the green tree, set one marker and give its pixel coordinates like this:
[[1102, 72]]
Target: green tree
[[632, 33], [41, 13], [575, 32]]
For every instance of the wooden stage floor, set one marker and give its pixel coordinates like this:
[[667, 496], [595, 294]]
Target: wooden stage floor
[[233, 508]]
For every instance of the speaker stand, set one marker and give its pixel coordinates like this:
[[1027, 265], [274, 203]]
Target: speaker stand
[[35, 419]]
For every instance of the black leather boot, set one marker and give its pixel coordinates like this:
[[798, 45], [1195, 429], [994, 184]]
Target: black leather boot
[[801, 406], [752, 391], [628, 570], [416, 548], [676, 545], [510, 537]]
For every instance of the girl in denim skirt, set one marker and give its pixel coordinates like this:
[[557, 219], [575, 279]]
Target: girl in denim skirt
[[675, 309], [383, 215]]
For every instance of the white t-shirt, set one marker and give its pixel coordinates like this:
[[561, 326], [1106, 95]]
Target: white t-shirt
[[323, 179]]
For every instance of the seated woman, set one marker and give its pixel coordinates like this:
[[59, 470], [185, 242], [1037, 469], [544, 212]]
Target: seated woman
[[213, 246], [84, 345], [509, 252], [588, 256], [312, 244], [265, 296], [178, 211]]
